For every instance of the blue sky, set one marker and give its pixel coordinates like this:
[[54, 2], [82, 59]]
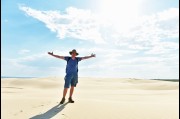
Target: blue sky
[[136, 39]]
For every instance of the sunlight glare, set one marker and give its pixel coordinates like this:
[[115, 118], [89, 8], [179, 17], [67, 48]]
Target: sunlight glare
[[122, 13]]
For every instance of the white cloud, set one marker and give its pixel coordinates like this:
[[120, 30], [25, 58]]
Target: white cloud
[[146, 33], [108, 63], [151, 31], [172, 13], [146, 50], [164, 48], [32, 65], [75, 23]]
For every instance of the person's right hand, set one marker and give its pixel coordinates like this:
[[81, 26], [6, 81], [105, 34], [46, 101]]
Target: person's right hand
[[50, 53]]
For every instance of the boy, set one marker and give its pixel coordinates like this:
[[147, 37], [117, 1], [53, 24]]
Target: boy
[[71, 77]]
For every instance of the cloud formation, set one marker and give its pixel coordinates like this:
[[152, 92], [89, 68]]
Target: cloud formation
[[73, 23], [148, 49], [152, 31], [147, 33]]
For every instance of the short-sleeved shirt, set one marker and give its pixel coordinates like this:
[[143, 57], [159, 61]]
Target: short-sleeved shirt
[[72, 65]]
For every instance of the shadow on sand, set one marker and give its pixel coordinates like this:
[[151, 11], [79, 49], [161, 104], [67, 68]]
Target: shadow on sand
[[51, 112]]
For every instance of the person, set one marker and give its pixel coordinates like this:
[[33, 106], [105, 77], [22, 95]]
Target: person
[[71, 78]]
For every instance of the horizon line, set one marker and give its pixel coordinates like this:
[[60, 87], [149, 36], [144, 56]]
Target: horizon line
[[87, 77]]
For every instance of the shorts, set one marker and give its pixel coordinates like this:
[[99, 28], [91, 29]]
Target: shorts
[[71, 79]]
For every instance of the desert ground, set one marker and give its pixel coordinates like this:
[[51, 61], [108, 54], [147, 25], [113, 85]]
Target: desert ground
[[95, 98]]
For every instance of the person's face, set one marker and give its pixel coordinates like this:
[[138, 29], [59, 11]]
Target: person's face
[[73, 54]]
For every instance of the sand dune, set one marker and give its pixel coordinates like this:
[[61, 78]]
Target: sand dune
[[96, 98]]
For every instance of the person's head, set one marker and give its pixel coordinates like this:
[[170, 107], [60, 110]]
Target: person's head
[[73, 53]]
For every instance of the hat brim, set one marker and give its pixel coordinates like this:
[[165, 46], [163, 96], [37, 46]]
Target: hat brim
[[71, 53]]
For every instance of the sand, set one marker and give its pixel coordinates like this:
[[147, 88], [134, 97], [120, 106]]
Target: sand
[[95, 98]]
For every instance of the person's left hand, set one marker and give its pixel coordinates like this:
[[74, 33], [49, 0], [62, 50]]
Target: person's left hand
[[93, 55]]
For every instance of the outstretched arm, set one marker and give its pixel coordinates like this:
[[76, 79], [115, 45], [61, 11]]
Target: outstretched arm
[[57, 56], [87, 57]]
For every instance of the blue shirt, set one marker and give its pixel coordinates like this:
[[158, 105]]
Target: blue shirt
[[72, 65]]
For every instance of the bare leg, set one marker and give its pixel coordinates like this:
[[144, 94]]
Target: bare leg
[[70, 95], [71, 91], [65, 92], [64, 95]]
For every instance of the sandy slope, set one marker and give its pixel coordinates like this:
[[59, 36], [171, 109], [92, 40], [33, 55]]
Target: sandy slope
[[95, 99]]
